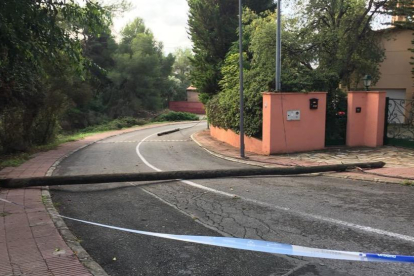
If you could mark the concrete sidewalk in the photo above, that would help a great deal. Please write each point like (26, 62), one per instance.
(399, 161)
(30, 240)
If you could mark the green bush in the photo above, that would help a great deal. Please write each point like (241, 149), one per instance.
(119, 123)
(173, 116)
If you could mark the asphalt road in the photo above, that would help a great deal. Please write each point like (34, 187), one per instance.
(314, 211)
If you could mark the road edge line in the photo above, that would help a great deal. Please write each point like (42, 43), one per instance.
(252, 163)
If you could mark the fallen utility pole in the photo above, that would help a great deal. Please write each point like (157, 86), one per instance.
(171, 175)
(168, 132)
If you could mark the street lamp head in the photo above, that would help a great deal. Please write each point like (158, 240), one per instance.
(367, 81)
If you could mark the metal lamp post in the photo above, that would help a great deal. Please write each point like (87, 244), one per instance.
(241, 80)
(367, 82)
(278, 85)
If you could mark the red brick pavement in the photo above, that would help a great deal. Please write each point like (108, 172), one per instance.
(29, 241)
(30, 244)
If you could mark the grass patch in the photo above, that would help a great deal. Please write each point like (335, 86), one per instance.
(14, 160)
(116, 124)
(3, 214)
(408, 183)
(44, 199)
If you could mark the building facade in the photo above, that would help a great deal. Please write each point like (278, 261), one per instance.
(396, 71)
(192, 94)
(192, 104)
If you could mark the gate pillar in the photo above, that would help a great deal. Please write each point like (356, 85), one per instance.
(366, 119)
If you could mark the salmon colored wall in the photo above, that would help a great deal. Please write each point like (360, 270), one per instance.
(307, 134)
(366, 128)
(283, 136)
(355, 129)
(232, 138)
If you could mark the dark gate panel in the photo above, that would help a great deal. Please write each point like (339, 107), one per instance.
(399, 123)
(336, 120)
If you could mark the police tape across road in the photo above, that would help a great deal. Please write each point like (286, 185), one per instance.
(258, 245)
(266, 246)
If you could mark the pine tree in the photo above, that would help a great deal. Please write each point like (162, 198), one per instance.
(140, 73)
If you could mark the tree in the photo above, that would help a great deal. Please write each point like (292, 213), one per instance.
(212, 26)
(47, 28)
(181, 70)
(343, 39)
(37, 37)
(99, 49)
(88, 97)
(403, 12)
(141, 71)
(173, 91)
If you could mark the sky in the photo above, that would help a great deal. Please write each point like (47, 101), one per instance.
(167, 19)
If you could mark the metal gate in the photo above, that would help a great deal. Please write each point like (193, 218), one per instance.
(336, 120)
(399, 123)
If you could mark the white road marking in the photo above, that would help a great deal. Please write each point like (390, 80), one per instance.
(367, 229)
(147, 141)
(5, 200)
(142, 157)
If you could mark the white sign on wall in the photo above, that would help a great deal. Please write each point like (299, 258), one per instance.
(293, 115)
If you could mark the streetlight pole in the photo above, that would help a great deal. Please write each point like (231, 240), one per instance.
(241, 80)
(278, 48)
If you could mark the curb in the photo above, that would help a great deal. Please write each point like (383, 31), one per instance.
(83, 256)
(253, 163)
(389, 180)
(85, 259)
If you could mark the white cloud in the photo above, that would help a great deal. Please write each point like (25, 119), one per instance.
(167, 19)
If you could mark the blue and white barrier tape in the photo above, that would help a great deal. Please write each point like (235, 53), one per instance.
(266, 247)
(261, 246)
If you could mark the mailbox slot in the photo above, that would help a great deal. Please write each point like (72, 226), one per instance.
(313, 103)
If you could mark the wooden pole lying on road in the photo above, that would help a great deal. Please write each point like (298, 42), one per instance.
(171, 175)
(168, 132)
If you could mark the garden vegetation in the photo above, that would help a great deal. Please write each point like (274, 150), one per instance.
(61, 70)
(327, 45)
